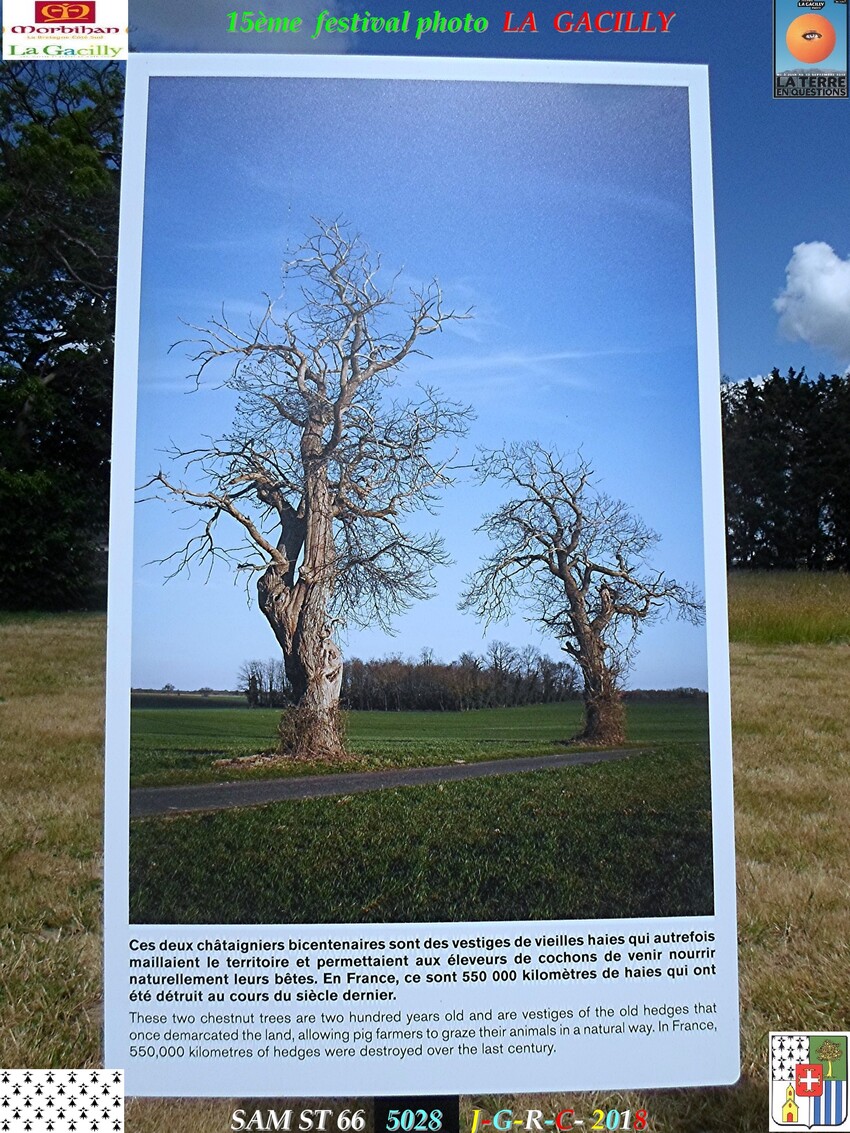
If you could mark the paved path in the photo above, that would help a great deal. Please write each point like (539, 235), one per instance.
(147, 801)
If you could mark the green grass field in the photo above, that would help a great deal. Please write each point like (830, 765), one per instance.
(176, 745)
(543, 846)
(612, 840)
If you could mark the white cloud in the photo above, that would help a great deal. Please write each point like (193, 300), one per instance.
(815, 304)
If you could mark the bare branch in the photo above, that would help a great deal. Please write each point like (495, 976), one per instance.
(577, 561)
(321, 466)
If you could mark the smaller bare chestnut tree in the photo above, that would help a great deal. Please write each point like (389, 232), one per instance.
(321, 467)
(577, 561)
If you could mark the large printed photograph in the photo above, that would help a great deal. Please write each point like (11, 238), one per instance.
(420, 566)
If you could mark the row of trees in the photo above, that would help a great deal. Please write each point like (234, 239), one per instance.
(787, 466)
(60, 144)
(264, 684)
(502, 678)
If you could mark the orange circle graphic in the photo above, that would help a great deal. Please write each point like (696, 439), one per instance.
(810, 38)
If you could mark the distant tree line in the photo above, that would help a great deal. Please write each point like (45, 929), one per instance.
(503, 677)
(787, 468)
(654, 695)
(264, 684)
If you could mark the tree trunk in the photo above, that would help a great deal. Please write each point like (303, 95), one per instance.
(604, 715)
(312, 729)
(604, 719)
(297, 611)
(313, 663)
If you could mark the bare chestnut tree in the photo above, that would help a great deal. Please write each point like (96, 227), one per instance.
(577, 561)
(321, 467)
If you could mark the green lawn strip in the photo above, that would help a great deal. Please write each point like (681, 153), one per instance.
(172, 746)
(630, 839)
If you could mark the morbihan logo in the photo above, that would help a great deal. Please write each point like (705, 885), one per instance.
(45, 29)
(51, 12)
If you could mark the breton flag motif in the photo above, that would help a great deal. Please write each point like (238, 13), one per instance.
(808, 1081)
(61, 1101)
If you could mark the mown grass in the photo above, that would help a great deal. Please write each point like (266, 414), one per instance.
(624, 839)
(789, 608)
(791, 730)
(51, 804)
(176, 745)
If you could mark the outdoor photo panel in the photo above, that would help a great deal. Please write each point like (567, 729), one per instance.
(418, 737)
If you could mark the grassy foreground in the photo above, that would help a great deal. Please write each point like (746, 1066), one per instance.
(789, 608)
(792, 751)
(51, 814)
(613, 840)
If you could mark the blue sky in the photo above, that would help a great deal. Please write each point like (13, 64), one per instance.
(780, 175)
(561, 214)
(781, 167)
